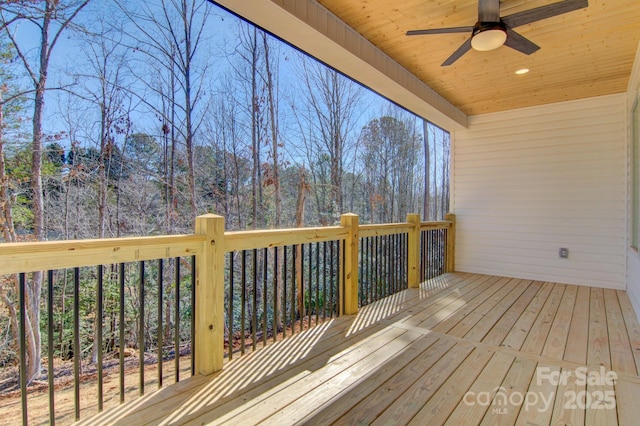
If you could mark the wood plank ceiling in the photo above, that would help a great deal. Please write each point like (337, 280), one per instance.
(585, 53)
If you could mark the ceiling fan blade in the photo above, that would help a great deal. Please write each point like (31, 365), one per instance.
(520, 43)
(543, 12)
(441, 31)
(466, 46)
(489, 10)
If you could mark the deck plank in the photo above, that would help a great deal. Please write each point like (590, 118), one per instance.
(491, 313)
(621, 354)
(505, 409)
(268, 401)
(506, 323)
(599, 405)
(472, 408)
(578, 338)
(445, 322)
(409, 364)
(414, 356)
(598, 351)
(537, 337)
(359, 372)
(520, 330)
(632, 325)
(439, 407)
(557, 339)
(447, 306)
(402, 410)
(627, 406)
(247, 375)
(539, 408)
(565, 408)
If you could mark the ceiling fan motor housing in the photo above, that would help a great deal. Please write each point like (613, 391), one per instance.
(488, 35)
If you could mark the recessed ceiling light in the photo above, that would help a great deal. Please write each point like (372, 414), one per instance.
(522, 71)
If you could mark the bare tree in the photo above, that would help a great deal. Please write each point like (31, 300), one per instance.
(248, 69)
(171, 37)
(271, 77)
(389, 160)
(105, 88)
(330, 114)
(51, 19)
(427, 172)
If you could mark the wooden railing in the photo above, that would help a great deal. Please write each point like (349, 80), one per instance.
(355, 251)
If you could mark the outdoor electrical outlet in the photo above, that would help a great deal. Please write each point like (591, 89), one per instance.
(564, 253)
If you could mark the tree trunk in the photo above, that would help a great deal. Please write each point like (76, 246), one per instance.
(427, 167)
(302, 192)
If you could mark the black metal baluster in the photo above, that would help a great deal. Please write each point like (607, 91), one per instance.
(141, 346)
(254, 314)
(445, 235)
(264, 294)
(365, 271)
(310, 277)
(284, 292)
(421, 255)
(426, 255)
(294, 287)
(398, 261)
(160, 319)
(243, 297)
(193, 315)
(361, 281)
(388, 263)
(384, 241)
(265, 269)
(383, 266)
(332, 278)
(339, 290)
(77, 353)
(317, 301)
(393, 271)
(276, 299)
(431, 253)
(394, 263)
(324, 281)
(176, 330)
(50, 353)
(23, 348)
(370, 266)
(387, 256)
(378, 265)
(405, 256)
(99, 315)
(301, 290)
(121, 279)
(231, 284)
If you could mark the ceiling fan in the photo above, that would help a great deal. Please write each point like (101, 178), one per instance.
(492, 31)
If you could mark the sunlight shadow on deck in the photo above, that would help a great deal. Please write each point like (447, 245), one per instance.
(386, 308)
(273, 367)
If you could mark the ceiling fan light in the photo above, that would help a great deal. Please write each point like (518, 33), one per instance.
(488, 39)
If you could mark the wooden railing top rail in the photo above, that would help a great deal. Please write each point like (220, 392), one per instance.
(376, 230)
(440, 224)
(247, 240)
(46, 255)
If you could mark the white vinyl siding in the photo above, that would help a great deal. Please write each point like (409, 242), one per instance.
(528, 182)
(633, 256)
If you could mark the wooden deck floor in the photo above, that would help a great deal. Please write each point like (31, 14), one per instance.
(462, 350)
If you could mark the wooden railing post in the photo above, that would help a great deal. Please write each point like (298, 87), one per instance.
(209, 303)
(451, 243)
(349, 266)
(413, 254)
